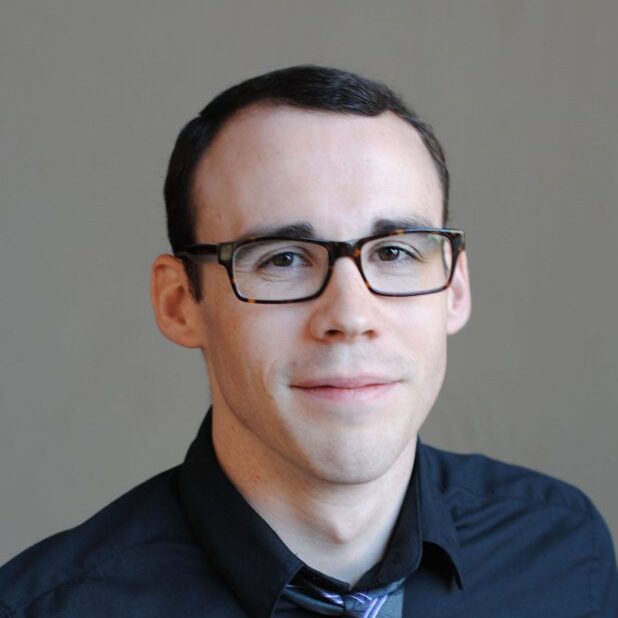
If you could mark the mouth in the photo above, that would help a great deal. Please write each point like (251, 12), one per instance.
(347, 389)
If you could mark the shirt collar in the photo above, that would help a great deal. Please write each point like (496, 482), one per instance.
(256, 563)
(242, 547)
(425, 519)
(436, 517)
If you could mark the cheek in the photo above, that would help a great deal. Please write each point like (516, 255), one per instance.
(258, 338)
(425, 336)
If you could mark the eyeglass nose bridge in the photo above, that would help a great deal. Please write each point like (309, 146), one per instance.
(339, 249)
(342, 249)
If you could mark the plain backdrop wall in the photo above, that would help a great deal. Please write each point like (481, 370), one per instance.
(524, 94)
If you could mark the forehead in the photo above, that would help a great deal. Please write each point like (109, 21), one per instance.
(275, 166)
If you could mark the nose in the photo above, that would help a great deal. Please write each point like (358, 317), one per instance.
(346, 309)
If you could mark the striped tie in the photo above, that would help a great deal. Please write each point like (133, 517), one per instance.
(307, 594)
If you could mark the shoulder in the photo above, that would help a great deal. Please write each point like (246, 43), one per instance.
(486, 479)
(526, 528)
(138, 539)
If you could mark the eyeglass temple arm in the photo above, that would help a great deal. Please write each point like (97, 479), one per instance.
(199, 253)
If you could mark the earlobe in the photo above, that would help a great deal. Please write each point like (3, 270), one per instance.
(174, 306)
(459, 297)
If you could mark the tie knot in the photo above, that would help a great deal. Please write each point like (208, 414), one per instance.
(366, 604)
(359, 604)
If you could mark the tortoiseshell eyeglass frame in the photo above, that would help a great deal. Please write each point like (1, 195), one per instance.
(223, 253)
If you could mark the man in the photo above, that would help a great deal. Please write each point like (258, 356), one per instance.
(313, 269)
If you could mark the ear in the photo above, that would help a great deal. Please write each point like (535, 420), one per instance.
(459, 298)
(174, 307)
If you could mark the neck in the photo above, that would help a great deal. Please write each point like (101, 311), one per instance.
(341, 530)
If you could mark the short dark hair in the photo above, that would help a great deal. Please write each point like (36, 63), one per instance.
(306, 87)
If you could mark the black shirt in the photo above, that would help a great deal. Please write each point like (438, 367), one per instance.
(475, 537)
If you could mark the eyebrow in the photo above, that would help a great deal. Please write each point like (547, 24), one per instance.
(385, 226)
(304, 229)
(299, 229)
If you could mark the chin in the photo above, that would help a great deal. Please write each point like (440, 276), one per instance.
(341, 445)
(358, 475)
(346, 466)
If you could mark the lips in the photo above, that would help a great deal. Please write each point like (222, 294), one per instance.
(347, 389)
(345, 382)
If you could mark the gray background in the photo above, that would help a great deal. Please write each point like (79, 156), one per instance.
(523, 93)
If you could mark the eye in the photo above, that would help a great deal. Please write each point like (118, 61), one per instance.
(390, 253)
(284, 259)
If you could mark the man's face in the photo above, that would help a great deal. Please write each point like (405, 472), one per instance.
(339, 385)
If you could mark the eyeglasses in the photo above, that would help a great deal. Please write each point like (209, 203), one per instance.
(404, 262)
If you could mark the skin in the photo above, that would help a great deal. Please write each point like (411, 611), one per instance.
(317, 404)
